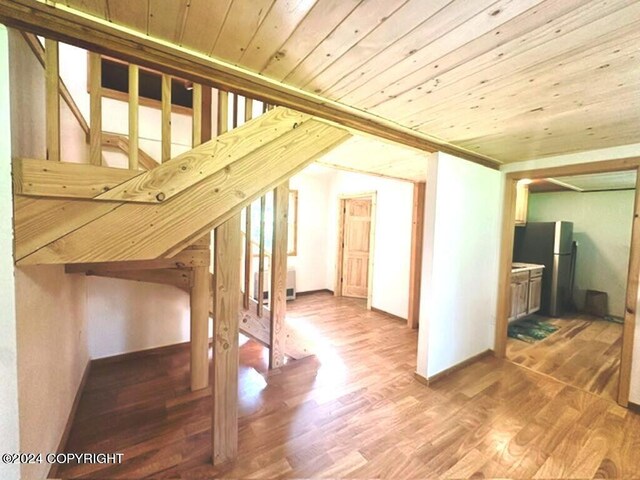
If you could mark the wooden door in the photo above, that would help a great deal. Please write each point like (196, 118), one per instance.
(356, 234)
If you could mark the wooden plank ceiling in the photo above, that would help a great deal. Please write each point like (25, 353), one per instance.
(510, 79)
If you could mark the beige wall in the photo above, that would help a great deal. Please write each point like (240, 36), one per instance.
(50, 305)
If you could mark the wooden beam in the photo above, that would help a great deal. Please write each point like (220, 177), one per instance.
(115, 140)
(38, 50)
(278, 293)
(223, 112)
(188, 258)
(199, 296)
(133, 116)
(207, 128)
(68, 25)
(228, 252)
(71, 180)
(171, 178)
(166, 118)
(263, 207)
(248, 244)
(52, 95)
(631, 302)
(417, 235)
(95, 116)
(176, 278)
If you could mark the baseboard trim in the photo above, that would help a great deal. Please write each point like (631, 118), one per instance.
(634, 407)
(53, 471)
(459, 366)
(421, 379)
(397, 317)
(311, 292)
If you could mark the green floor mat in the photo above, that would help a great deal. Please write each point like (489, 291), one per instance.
(530, 330)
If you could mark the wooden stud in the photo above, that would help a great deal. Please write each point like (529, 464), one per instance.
(248, 109)
(278, 292)
(166, 118)
(248, 244)
(228, 252)
(260, 299)
(177, 278)
(223, 112)
(95, 116)
(196, 131)
(52, 76)
(415, 275)
(120, 142)
(206, 102)
(133, 116)
(630, 313)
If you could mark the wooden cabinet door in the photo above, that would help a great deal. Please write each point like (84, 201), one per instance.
(522, 293)
(535, 291)
(355, 249)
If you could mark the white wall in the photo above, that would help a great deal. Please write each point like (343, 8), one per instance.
(460, 263)
(127, 316)
(623, 151)
(602, 228)
(9, 428)
(392, 249)
(314, 186)
(50, 306)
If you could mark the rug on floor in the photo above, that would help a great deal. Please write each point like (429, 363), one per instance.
(530, 329)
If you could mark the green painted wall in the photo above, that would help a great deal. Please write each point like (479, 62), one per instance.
(602, 228)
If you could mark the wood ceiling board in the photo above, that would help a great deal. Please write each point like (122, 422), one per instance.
(166, 19)
(445, 36)
(203, 22)
(375, 157)
(362, 20)
(453, 87)
(93, 7)
(132, 14)
(404, 20)
(313, 29)
(242, 22)
(281, 21)
(569, 79)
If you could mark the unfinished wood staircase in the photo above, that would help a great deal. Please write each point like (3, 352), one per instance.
(155, 225)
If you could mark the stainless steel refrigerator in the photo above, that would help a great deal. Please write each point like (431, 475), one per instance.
(548, 244)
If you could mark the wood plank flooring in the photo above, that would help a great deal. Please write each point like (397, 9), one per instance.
(584, 352)
(355, 411)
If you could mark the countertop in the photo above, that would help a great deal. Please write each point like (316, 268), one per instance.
(518, 267)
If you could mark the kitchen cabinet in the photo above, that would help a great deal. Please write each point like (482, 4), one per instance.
(522, 202)
(526, 289)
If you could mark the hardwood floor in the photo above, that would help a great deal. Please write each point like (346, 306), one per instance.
(584, 352)
(353, 411)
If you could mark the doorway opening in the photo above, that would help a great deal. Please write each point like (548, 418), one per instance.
(356, 240)
(569, 274)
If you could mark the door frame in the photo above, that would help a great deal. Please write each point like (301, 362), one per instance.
(337, 291)
(633, 272)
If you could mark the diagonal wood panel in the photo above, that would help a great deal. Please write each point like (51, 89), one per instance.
(136, 231)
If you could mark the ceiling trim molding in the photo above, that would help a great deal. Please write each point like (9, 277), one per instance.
(74, 27)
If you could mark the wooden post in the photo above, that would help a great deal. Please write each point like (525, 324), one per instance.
(52, 73)
(95, 114)
(228, 252)
(166, 118)
(278, 292)
(199, 293)
(260, 299)
(133, 116)
(223, 111)
(415, 274)
(248, 251)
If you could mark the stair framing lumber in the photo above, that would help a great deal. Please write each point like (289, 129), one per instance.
(224, 425)
(278, 291)
(183, 260)
(71, 26)
(52, 99)
(177, 278)
(171, 178)
(95, 113)
(122, 143)
(43, 178)
(122, 232)
(134, 98)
